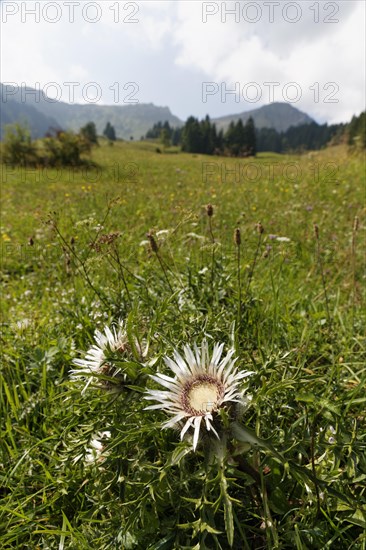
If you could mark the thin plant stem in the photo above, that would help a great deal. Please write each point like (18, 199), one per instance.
(109, 208)
(211, 229)
(155, 249)
(81, 264)
(335, 366)
(353, 253)
(239, 288)
(241, 531)
(121, 271)
(237, 240)
(255, 259)
(320, 263)
(164, 271)
(210, 213)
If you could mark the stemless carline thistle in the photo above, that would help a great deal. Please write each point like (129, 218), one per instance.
(202, 385)
(96, 358)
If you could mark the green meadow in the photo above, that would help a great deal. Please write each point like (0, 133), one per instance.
(288, 298)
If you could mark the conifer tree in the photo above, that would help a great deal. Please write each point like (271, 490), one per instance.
(109, 132)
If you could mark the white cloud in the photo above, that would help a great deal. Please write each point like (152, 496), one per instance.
(170, 38)
(305, 52)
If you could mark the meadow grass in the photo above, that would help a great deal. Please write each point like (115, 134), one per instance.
(288, 299)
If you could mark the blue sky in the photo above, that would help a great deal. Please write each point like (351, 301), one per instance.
(311, 54)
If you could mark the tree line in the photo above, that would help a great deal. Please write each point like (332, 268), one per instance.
(202, 137)
(305, 137)
(357, 131)
(245, 140)
(65, 148)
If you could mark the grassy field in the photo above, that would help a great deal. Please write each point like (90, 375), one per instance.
(288, 299)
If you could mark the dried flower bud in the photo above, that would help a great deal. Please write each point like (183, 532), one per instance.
(153, 244)
(209, 210)
(356, 224)
(260, 228)
(109, 238)
(316, 230)
(106, 239)
(237, 236)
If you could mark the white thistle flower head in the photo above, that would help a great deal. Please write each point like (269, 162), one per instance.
(95, 361)
(96, 453)
(201, 386)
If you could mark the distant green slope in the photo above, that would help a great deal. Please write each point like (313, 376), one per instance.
(128, 120)
(26, 115)
(279, 116)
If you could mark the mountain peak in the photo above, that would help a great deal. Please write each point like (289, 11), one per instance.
(134, 120)
(277, 115)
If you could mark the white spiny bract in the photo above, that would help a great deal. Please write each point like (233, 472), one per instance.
(95, 361)
(201, 386)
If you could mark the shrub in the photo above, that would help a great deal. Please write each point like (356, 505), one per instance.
(19, 149)
(66, 148)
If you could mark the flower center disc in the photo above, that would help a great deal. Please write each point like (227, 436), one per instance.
(203, 396)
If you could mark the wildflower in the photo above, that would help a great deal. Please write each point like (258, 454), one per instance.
(260, 228)
(237, 236)
(153, 244)
(95, 363)
(96, 452)
(279, 239)
(22, 325)
(105, 239)
(200, 388)
(209, 210)
(162, 232)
